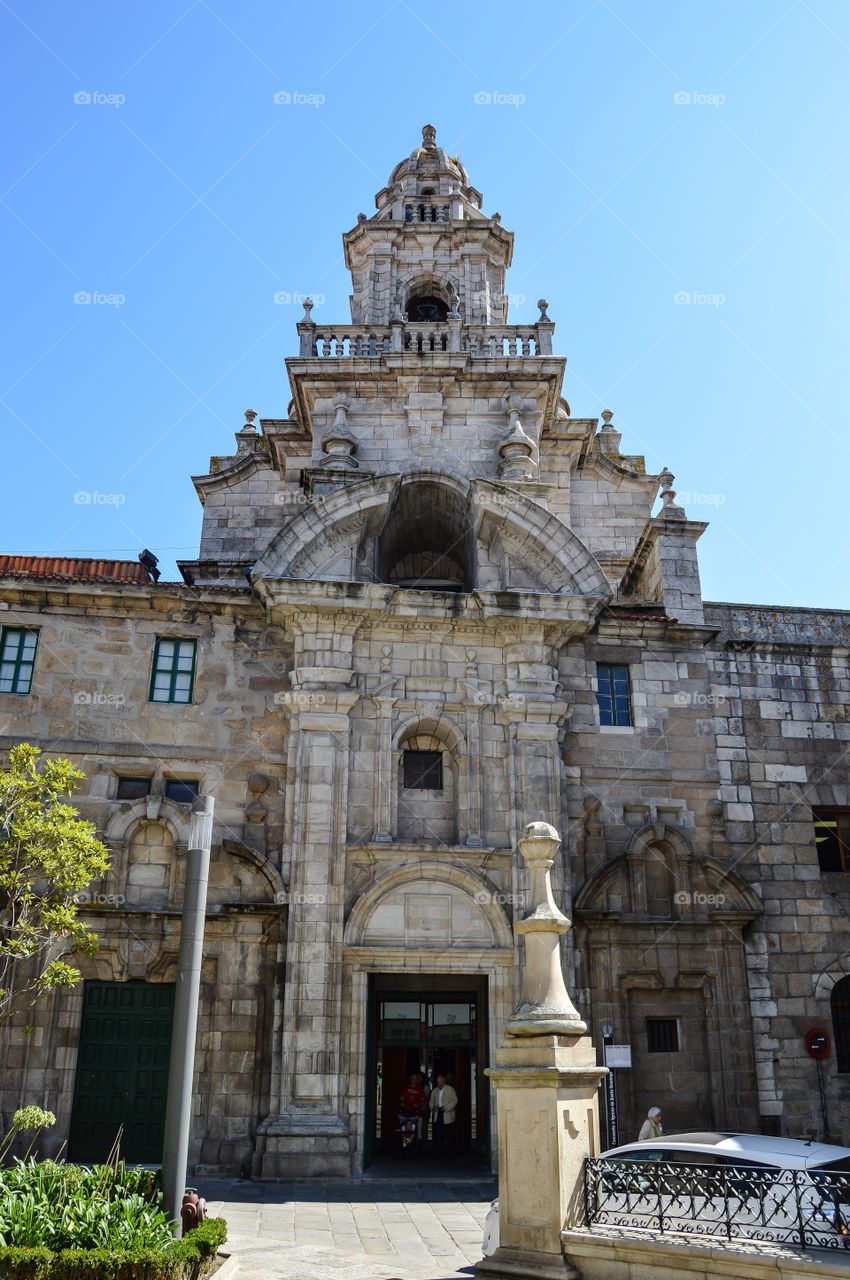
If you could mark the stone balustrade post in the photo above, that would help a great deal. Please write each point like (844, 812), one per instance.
(546, 1081)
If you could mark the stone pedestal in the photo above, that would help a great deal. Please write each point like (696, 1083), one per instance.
(547, 1083)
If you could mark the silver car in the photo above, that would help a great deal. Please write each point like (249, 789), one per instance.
(720, 1184)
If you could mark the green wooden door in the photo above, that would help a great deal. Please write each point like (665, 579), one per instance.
(122, 1070)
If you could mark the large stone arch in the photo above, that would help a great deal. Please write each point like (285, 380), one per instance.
(336, 540)
(433, 880)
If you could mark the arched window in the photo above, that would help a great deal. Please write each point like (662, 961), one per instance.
(427, 791)
(426, 309)
(840, 1003)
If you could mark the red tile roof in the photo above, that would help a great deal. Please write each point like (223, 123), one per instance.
(72, 569)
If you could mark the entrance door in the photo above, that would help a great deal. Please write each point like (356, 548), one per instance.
(430, 1026)
(122, 1071)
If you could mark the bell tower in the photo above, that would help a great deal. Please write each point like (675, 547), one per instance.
(429, 253)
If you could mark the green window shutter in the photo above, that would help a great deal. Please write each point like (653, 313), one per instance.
(17, 659)
(173, 670)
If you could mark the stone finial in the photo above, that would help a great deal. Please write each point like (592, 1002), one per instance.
(361, 217)
(339, 443)
(544, 1008)
(429, 137)
(544, 314)
(609, 436)
(246, 437)
(516, 449)
(668, 495)
(308, 307)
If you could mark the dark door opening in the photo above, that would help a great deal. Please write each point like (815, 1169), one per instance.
(429, 1025)
(122, 1071)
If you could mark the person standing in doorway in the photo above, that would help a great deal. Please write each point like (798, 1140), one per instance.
(443, 1114)
(652, 1126)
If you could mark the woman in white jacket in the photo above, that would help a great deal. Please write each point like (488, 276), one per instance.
(652, 1126)
(443, 1113)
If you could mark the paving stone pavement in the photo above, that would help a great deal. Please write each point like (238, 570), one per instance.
(367, 1229)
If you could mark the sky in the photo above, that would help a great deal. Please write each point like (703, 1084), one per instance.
(676, 176)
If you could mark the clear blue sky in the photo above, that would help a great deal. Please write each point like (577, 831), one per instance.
(196, 198)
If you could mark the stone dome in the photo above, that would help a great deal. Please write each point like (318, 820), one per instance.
(429, 160)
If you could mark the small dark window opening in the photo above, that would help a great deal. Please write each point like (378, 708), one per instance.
(181, 790)
(423, 770)
(613, 694)
(133, 788)
(662, 1035)
(840, 1005)
(427, 310)
(832, 838)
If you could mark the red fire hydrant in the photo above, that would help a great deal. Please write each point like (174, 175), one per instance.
(193, 1211)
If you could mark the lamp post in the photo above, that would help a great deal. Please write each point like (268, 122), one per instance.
(178, 1111)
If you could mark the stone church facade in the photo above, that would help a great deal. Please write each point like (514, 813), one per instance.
(431, 605)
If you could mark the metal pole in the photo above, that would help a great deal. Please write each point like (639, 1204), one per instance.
(823, 1109)
(178, 1111)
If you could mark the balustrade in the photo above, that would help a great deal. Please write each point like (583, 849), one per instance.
(345, 342)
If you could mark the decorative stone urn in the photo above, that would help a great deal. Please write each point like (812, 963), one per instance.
(547, 1085)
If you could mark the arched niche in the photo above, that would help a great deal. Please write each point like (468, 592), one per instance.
(434, 811)
(429, 905)
(426, 542)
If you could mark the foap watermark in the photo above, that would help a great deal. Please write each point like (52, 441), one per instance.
(495, 98)
(684, 899)
(97, 298)
(98, 698)
(96, 98)
(298, 699)
(695, 499)
(295, 98)
(485, 897)
(86, 899)
(308, 899)
(300, 499)
(699, 699)
(696, 98)
(287, 298)
(696, 298)
(94, 498)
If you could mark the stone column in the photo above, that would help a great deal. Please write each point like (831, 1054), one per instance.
(546, 1082)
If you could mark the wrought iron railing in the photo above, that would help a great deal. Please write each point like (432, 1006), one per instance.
(807, 1209)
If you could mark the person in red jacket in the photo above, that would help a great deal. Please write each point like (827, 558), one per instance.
(413, 1104)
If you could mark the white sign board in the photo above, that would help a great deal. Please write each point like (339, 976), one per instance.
(618, 1055)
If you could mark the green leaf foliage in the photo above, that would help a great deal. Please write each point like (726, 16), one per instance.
(48, 856)
(68, 1222)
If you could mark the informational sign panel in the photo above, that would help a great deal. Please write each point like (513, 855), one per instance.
(618, 1056)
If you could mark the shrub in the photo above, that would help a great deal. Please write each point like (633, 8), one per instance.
(69, 1222)
(186, 1259)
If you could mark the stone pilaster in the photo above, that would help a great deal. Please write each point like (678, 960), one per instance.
(308, 1133)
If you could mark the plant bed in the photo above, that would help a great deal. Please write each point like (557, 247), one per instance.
(67, 1222)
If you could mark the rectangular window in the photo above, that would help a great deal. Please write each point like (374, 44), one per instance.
(614, 695)
(832, 838)
(423, 770)
(17, 659)
(662, 1035)
(173, 672)
(181, 790)
(133, 788)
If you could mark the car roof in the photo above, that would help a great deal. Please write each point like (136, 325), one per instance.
(789, 1153)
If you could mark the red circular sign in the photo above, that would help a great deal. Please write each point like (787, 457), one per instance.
(818, 1044)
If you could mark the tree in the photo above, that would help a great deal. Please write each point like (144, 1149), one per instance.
(48, 856)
